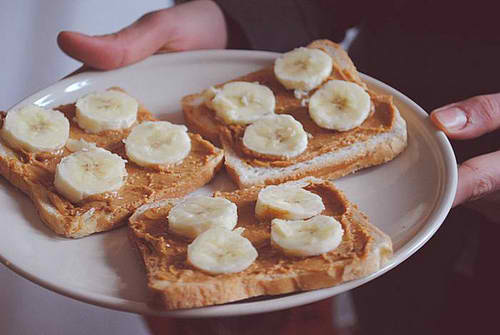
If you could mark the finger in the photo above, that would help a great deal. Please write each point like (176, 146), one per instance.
(478, 177)
(469, 118)
(127, 46)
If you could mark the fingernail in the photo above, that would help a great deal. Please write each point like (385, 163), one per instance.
(451, 118)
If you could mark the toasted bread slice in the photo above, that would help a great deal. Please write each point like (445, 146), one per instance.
(363, 250)
(33, 173)
(329, 153)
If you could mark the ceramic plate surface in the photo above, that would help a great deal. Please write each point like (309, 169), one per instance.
(408, 198)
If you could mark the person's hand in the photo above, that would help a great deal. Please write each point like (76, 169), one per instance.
(478, 177)
(194, 25)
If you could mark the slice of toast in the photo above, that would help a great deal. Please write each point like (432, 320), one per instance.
(330, 153)
(33, 173)
(363, 250)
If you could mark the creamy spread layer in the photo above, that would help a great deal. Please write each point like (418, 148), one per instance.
(320, 140)
(142, 184)
(152, 226)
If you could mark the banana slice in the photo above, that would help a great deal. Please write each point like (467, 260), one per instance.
(303, 68)
(107, 110)
(219, 250)
(242, 102)
(316, 236)
(154, 143)
(287, 202)
(197, 214)
(35, 129)
(277, 136)
(339, 105)
(86, 173)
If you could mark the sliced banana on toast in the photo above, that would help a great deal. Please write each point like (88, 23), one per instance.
(240, 102)
(87, 173)
(287, 202)
(303, 68)
(35, 129)
(157, 143)
(220, 250)
(195, 215)
(106, 110)
(339, 105)
(278, 136)
(315, 236)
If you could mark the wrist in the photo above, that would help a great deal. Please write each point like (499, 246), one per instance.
(235, 35)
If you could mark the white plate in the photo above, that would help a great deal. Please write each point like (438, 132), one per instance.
(407, 198)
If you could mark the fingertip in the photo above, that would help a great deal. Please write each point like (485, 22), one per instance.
(436, 121)
(68, 39)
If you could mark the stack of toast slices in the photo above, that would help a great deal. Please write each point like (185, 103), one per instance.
(177, 271)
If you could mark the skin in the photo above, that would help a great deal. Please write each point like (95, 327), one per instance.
(201, 25)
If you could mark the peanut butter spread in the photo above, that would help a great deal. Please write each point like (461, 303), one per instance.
(142, 184)
(171, 264)
(320, 140)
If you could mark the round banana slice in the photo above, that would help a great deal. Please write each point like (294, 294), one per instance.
(277, 136)
(35, 129)
(339, 105)
(287, 202)
(242, 102)
(219, 250)
(316, 236)
(157, 143)
(86, 173)
(107, 110)
(197, 214)
(303, 68)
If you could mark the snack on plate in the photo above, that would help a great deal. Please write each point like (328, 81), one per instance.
(296, 236)
(308, 115)
(87, 166)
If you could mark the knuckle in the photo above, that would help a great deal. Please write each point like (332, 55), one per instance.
(483, 182)
(483, 109)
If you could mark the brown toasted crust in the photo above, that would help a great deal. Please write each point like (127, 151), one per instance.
(367, 153)
(94, 220)
(364, 250)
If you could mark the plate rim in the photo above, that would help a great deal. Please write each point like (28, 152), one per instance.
(437, 214)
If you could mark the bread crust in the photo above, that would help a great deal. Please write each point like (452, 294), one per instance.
(268, 275)
(96, 220)
(378, 149)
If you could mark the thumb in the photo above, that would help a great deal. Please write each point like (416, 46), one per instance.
(469, 118)
(477, 177)
(127, 46)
